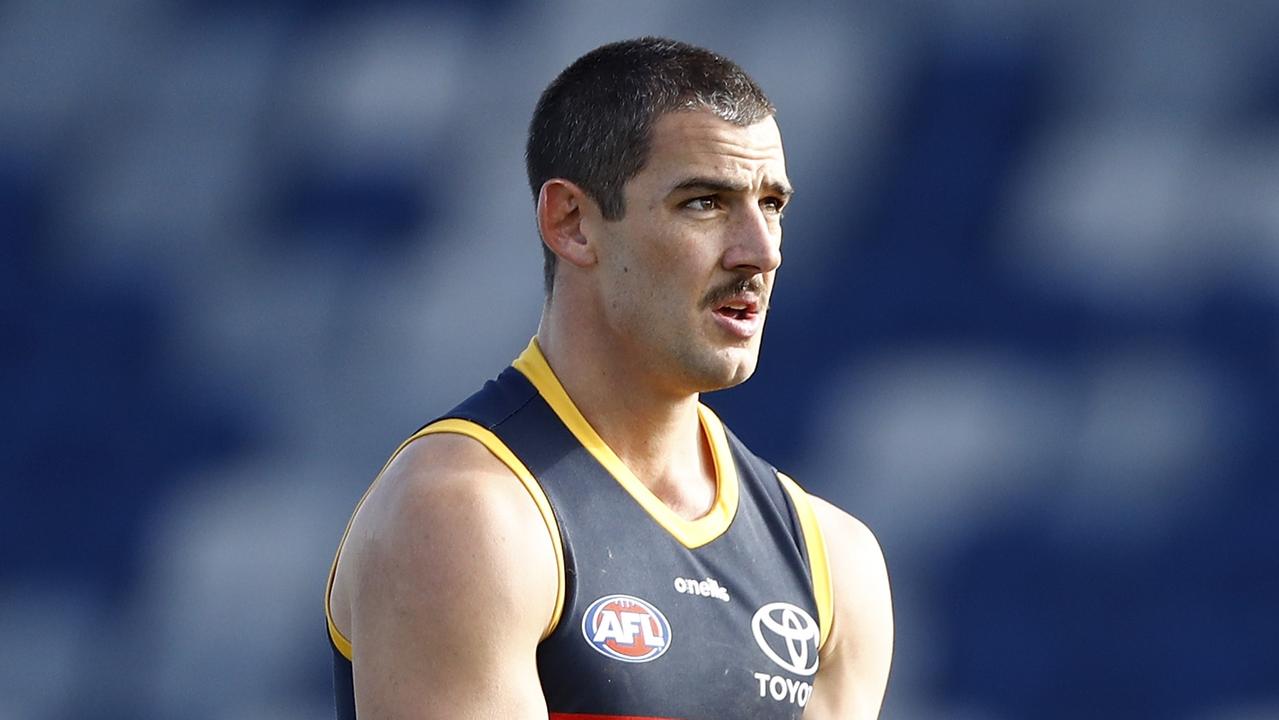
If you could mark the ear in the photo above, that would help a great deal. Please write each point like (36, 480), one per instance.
(560, 208)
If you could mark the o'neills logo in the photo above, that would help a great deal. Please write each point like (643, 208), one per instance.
(704, 588)
(626, 628)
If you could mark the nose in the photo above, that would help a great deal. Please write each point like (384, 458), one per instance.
(755, 243)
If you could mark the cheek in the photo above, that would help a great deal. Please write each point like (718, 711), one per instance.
(657, 269)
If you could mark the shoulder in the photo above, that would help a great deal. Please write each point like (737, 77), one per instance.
(447, 522)
(453, 481)
(859, 575)
(857, 655)
(852, 547)
(447, 579)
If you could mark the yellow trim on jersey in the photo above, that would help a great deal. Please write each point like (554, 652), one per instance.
(823, 592)
(340, 641)
(503, 453)
(691, 533)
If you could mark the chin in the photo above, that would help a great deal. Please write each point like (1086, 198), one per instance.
(730, 371)
(743, 374)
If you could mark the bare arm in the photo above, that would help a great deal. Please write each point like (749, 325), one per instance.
(853, 674)
(446, 583)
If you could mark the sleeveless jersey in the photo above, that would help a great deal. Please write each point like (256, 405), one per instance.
(657, 617)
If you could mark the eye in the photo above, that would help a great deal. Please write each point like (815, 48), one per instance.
(705, 203)
(772, 205)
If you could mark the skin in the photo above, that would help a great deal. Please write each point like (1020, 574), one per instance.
(448, 540)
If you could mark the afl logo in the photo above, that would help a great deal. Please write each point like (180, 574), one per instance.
(626, 628)
(788, 636)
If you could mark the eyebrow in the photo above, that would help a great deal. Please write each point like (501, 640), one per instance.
(719, 185)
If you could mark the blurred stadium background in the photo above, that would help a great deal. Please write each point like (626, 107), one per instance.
(1028, 327)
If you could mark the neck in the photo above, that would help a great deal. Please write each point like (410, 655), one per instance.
(656, 432)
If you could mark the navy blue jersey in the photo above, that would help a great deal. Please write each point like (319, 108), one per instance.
(656, 616)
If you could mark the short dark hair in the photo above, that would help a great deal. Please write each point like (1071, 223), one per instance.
(593, 123)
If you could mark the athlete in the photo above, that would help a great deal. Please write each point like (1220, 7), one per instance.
(582, 538)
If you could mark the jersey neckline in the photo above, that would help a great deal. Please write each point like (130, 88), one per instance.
(690, 533)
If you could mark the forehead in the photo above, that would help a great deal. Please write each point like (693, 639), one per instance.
(696, 142)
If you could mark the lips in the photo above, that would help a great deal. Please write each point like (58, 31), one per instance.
(740, 306)
(741, 315)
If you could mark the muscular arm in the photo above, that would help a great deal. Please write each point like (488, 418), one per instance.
(446, 583)
(854, 666)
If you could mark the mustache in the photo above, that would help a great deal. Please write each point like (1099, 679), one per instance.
(753, 284)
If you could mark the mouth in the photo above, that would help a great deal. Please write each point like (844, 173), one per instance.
(742, 307)
(741, 316)
(738, 307)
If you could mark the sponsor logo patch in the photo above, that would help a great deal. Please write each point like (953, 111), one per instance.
(626, 628)
(704, 588)
(788, 636)
(784, 689)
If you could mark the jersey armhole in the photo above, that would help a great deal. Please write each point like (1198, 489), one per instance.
(823, 592)
(494, 445)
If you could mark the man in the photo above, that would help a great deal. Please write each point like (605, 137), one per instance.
(582, 538)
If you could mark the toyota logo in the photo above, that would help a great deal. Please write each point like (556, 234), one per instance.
(782, 626)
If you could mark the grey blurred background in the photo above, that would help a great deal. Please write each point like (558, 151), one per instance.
(1026, 329)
